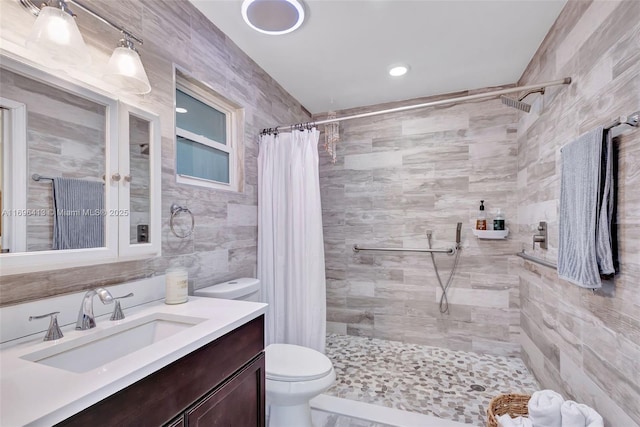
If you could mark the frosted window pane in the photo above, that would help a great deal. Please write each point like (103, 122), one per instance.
(200, 161)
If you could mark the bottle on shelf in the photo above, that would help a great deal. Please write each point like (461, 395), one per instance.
(498, 220)
(481, 222)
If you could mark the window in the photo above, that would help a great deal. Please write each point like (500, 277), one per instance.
(208, 137)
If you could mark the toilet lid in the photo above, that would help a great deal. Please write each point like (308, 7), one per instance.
(230, 290)
(288, 362)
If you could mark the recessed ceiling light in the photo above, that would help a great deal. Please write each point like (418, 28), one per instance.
(273, 17)
(398, 71)
(181, 110)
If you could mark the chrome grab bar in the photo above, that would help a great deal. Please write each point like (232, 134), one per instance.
(450, 251)
(537, 260)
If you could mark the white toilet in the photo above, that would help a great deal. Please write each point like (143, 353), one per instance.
(294, 374)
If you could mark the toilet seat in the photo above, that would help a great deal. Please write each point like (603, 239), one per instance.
(293, 363)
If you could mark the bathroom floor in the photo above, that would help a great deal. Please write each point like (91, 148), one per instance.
(454, 385)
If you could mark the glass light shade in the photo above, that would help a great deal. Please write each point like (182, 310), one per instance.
(56, 40)
(125, 71)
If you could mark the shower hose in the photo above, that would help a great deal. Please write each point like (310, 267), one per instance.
(444, 302)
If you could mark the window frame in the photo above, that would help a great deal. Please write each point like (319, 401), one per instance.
(234, 119)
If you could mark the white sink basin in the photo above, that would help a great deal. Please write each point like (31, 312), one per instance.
(103, 346)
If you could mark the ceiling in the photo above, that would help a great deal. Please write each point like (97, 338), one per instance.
(339, 58)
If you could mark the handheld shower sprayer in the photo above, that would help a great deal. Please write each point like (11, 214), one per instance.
(444, 302)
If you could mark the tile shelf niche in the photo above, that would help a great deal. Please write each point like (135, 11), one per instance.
(491, 234)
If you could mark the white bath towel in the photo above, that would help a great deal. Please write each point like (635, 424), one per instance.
(544, 409)
(579, 415)
(506, 421)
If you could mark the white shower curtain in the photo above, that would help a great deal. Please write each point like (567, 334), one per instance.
(290, 242)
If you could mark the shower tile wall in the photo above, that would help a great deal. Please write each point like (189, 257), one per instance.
(398, 176)
(583, 344)
(224, 243)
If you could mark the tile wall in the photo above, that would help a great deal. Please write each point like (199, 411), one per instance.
(583, 344)
(398, 176)
(223, 245)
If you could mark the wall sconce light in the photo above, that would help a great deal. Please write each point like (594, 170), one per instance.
(55, 37)
(125, 69)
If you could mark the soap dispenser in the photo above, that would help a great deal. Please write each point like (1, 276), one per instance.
(481, 222)
(498, 220)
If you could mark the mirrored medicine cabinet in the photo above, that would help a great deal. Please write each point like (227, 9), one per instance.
(79, 174)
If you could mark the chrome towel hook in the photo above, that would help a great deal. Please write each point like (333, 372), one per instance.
(175, 211)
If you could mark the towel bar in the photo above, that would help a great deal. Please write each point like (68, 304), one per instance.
(632, 119)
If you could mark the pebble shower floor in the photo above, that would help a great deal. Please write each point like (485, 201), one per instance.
(429, 380)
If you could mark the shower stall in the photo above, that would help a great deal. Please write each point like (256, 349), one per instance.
(402, 333)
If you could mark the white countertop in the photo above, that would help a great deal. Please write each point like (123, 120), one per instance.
(35, 394)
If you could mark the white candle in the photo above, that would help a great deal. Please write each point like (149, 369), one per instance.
(177, 280)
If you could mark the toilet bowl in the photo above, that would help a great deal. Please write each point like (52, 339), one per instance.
(294, 374)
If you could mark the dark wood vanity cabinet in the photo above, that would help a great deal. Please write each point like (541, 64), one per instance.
(237, 402)
(220, 384)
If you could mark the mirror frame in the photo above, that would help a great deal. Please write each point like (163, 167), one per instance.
(26, 262)
(16, 170)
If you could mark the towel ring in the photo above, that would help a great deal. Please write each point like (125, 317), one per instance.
(175, 211)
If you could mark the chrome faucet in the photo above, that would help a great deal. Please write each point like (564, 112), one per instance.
(85, 316)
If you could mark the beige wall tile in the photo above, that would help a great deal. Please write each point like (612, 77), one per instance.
(592, 336)
(427, 174)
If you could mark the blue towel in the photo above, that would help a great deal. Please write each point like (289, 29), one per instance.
(586, 207)
(78, 219)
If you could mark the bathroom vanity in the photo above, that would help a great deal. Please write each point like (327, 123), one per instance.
(221, 383)
(198, 363)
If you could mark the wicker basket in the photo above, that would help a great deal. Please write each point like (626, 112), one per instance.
(513, 404)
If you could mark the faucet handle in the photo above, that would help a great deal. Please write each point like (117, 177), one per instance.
(117, 310)
(54, 332)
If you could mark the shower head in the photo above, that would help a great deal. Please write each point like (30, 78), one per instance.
(517, 103)
(514, 103)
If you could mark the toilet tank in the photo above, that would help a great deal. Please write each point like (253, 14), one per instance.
(245, 288)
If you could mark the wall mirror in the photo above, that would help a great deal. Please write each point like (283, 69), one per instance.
(53, 180)
(139, 194)
(76, 174)
(139, 179)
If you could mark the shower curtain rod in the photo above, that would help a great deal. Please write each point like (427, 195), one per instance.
(565, 81)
